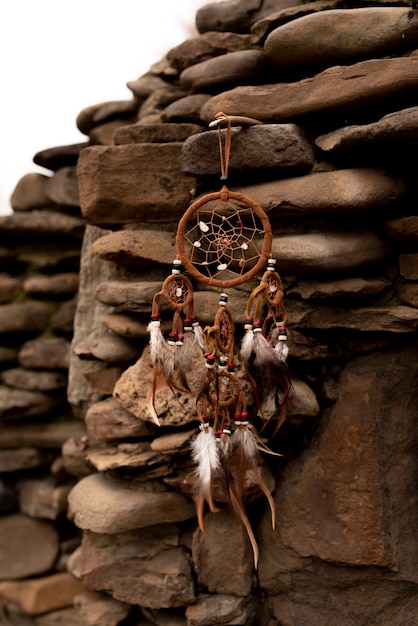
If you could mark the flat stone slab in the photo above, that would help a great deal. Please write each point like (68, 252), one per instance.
(17, 403)
(27, 546)
(332, 37)
(29, 193)
(107, 420)
(106, 505)
(259, 147)
(343, 88)
(24, 317)
(400, 127)
(132, 183)
(244, 67)
(156, 133)
(128, 247)
(325, 253)
(42, 224)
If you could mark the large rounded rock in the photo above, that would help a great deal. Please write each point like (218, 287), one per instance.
(341, 35)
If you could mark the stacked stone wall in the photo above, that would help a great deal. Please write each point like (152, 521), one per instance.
(332, 162)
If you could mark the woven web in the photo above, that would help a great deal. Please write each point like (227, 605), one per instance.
(177, 290)
(225, 239)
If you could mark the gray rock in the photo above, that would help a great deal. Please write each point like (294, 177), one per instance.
(28, 547)
(43, 497)
(206, 46)
(29, 193)
(108, 420)
(105, 505)
(45, 354)
(23, 317)
(62, 187)
(128, 247)
(394, 129)
(100, 609)
(236, 15)
(259, 147)
(41, 224)
(343, 88)
(42, 435)
(302, 400)
(16, 403)
(51, 287)
(326, 253)
(34, 380)
(244, 67)
(112, 348)
(331, 37)
(125, 325)
(345, 190)
(342, 288)
(59, 156)
(15, 460)
(96, 114)
(157, 133)
(233, 549)
(187, 108)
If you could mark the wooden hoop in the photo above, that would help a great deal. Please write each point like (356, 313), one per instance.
(224, 195)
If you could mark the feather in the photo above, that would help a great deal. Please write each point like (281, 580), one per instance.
(198, 333)
(247, 345)
(239, 510)
(206, 457)
(157, 342)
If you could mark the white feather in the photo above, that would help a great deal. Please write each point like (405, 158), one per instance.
(244, 437)
(157, 343)
(247, 345)
(200, 339)
(205, 455)
(282, 350)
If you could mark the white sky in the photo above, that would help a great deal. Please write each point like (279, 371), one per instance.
(58, 57)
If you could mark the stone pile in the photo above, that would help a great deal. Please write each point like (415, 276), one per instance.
(40, 257)
(335, 87)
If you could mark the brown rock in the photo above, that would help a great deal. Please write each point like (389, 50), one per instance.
(133, 388)
(132, 296)
(48, 354)
(156, 133)
(100, 609)
(103, 135)
(160, 581)
(218, 544)
(236, 15)
(326, 253)
(157, 101)
(59, 156)
(143, 86)
(350, 505)
(27, 546)
(29, 193)
(60, 285)
(127, 247)
(41, 224)
(15, 460)
(107, 177)
(342, 288)
(43, 497)
(124, 455)
(187, 108)
(41, 595)
(364, 84)
(403, 228)
(74, 455)
(220, 608)
(408, 294)
(206, 46)
(345, 190)
(244, 67)
(112, 348)
(125, 325)
(331, 37)
(16, 403)
(62, 187)
(68, 616)
(395, 128)
(102, 379)
(408, 266)
(108, 420)
(106, 505)
(173, 443)
(9, 288)
(43, 435)
(96, 114)
(302, 400)
(23, 317)
(259, 147)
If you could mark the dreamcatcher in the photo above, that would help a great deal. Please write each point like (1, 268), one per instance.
(224, 240)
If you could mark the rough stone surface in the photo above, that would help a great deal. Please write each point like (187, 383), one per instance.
(108, 420)
(29, 193)
(99, 609)
(129, 247)
(23, 317)
(342, 87)
(51, 353)
(259, 147)
(41, 595)
(106, 505)
(149, 183)
(157, 133)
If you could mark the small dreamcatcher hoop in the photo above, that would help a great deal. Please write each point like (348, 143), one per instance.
(224, 239)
